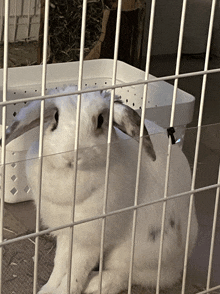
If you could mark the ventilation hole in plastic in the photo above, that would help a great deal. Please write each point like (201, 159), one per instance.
(106, 83)
(27, 189)
(35, 90)
(14, 103)
(14, 93)
(133, 104)
(14, 191)
(13, 165)
(126, 100)
(14, 178)
(86, 85)
(25, 102)
(14, 113)
(95, 83)
(25, 91)
(139, 107)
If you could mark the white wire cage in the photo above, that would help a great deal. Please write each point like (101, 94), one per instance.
(109, 74)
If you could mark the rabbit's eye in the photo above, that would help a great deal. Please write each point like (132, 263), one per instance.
(56, 116)
(100, 121)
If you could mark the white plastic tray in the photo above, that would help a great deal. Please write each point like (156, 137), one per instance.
(26, 82)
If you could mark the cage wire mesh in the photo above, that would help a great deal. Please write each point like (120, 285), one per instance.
(26, 261)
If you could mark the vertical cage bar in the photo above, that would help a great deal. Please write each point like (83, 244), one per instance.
(111, 114)
(76, 145)
(40, 153)
(4, 109)
(177, 70)
(178, 60)
(213, 233)
(147, 69)
(202, 99)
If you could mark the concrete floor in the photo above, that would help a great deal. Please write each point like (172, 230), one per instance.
(21, 217)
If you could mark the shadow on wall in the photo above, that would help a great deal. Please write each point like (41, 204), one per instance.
(167, 26)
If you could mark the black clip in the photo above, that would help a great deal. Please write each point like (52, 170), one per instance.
(170, 133)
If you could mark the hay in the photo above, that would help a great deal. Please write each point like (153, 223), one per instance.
(65, 28)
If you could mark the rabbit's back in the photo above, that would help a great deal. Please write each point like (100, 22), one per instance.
(149, 218)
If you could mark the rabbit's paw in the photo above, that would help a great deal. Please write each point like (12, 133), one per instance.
(62, 289)
(111, 283)
(46, 290)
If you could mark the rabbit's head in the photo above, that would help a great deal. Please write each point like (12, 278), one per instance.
(60, 122)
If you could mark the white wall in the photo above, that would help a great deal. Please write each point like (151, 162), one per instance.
(24, 20)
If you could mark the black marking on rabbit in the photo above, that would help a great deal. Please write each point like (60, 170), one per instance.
(154, 233)
(130, 124)
(172, 223)
(100, 121)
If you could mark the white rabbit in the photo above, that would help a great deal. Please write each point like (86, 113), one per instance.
(57, 194)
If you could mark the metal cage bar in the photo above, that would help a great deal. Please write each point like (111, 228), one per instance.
(177, 70)
(194, 173)
(147, 69)
(114, 74)
(3, 155)
(80, 77)
(215, 215)
(41, 132)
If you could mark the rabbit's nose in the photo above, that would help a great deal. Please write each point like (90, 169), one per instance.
(70, 157)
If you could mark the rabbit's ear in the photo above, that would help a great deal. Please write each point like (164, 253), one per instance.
(28, 118)
(128, 121)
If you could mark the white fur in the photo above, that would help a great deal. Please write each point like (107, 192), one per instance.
(57, 199)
